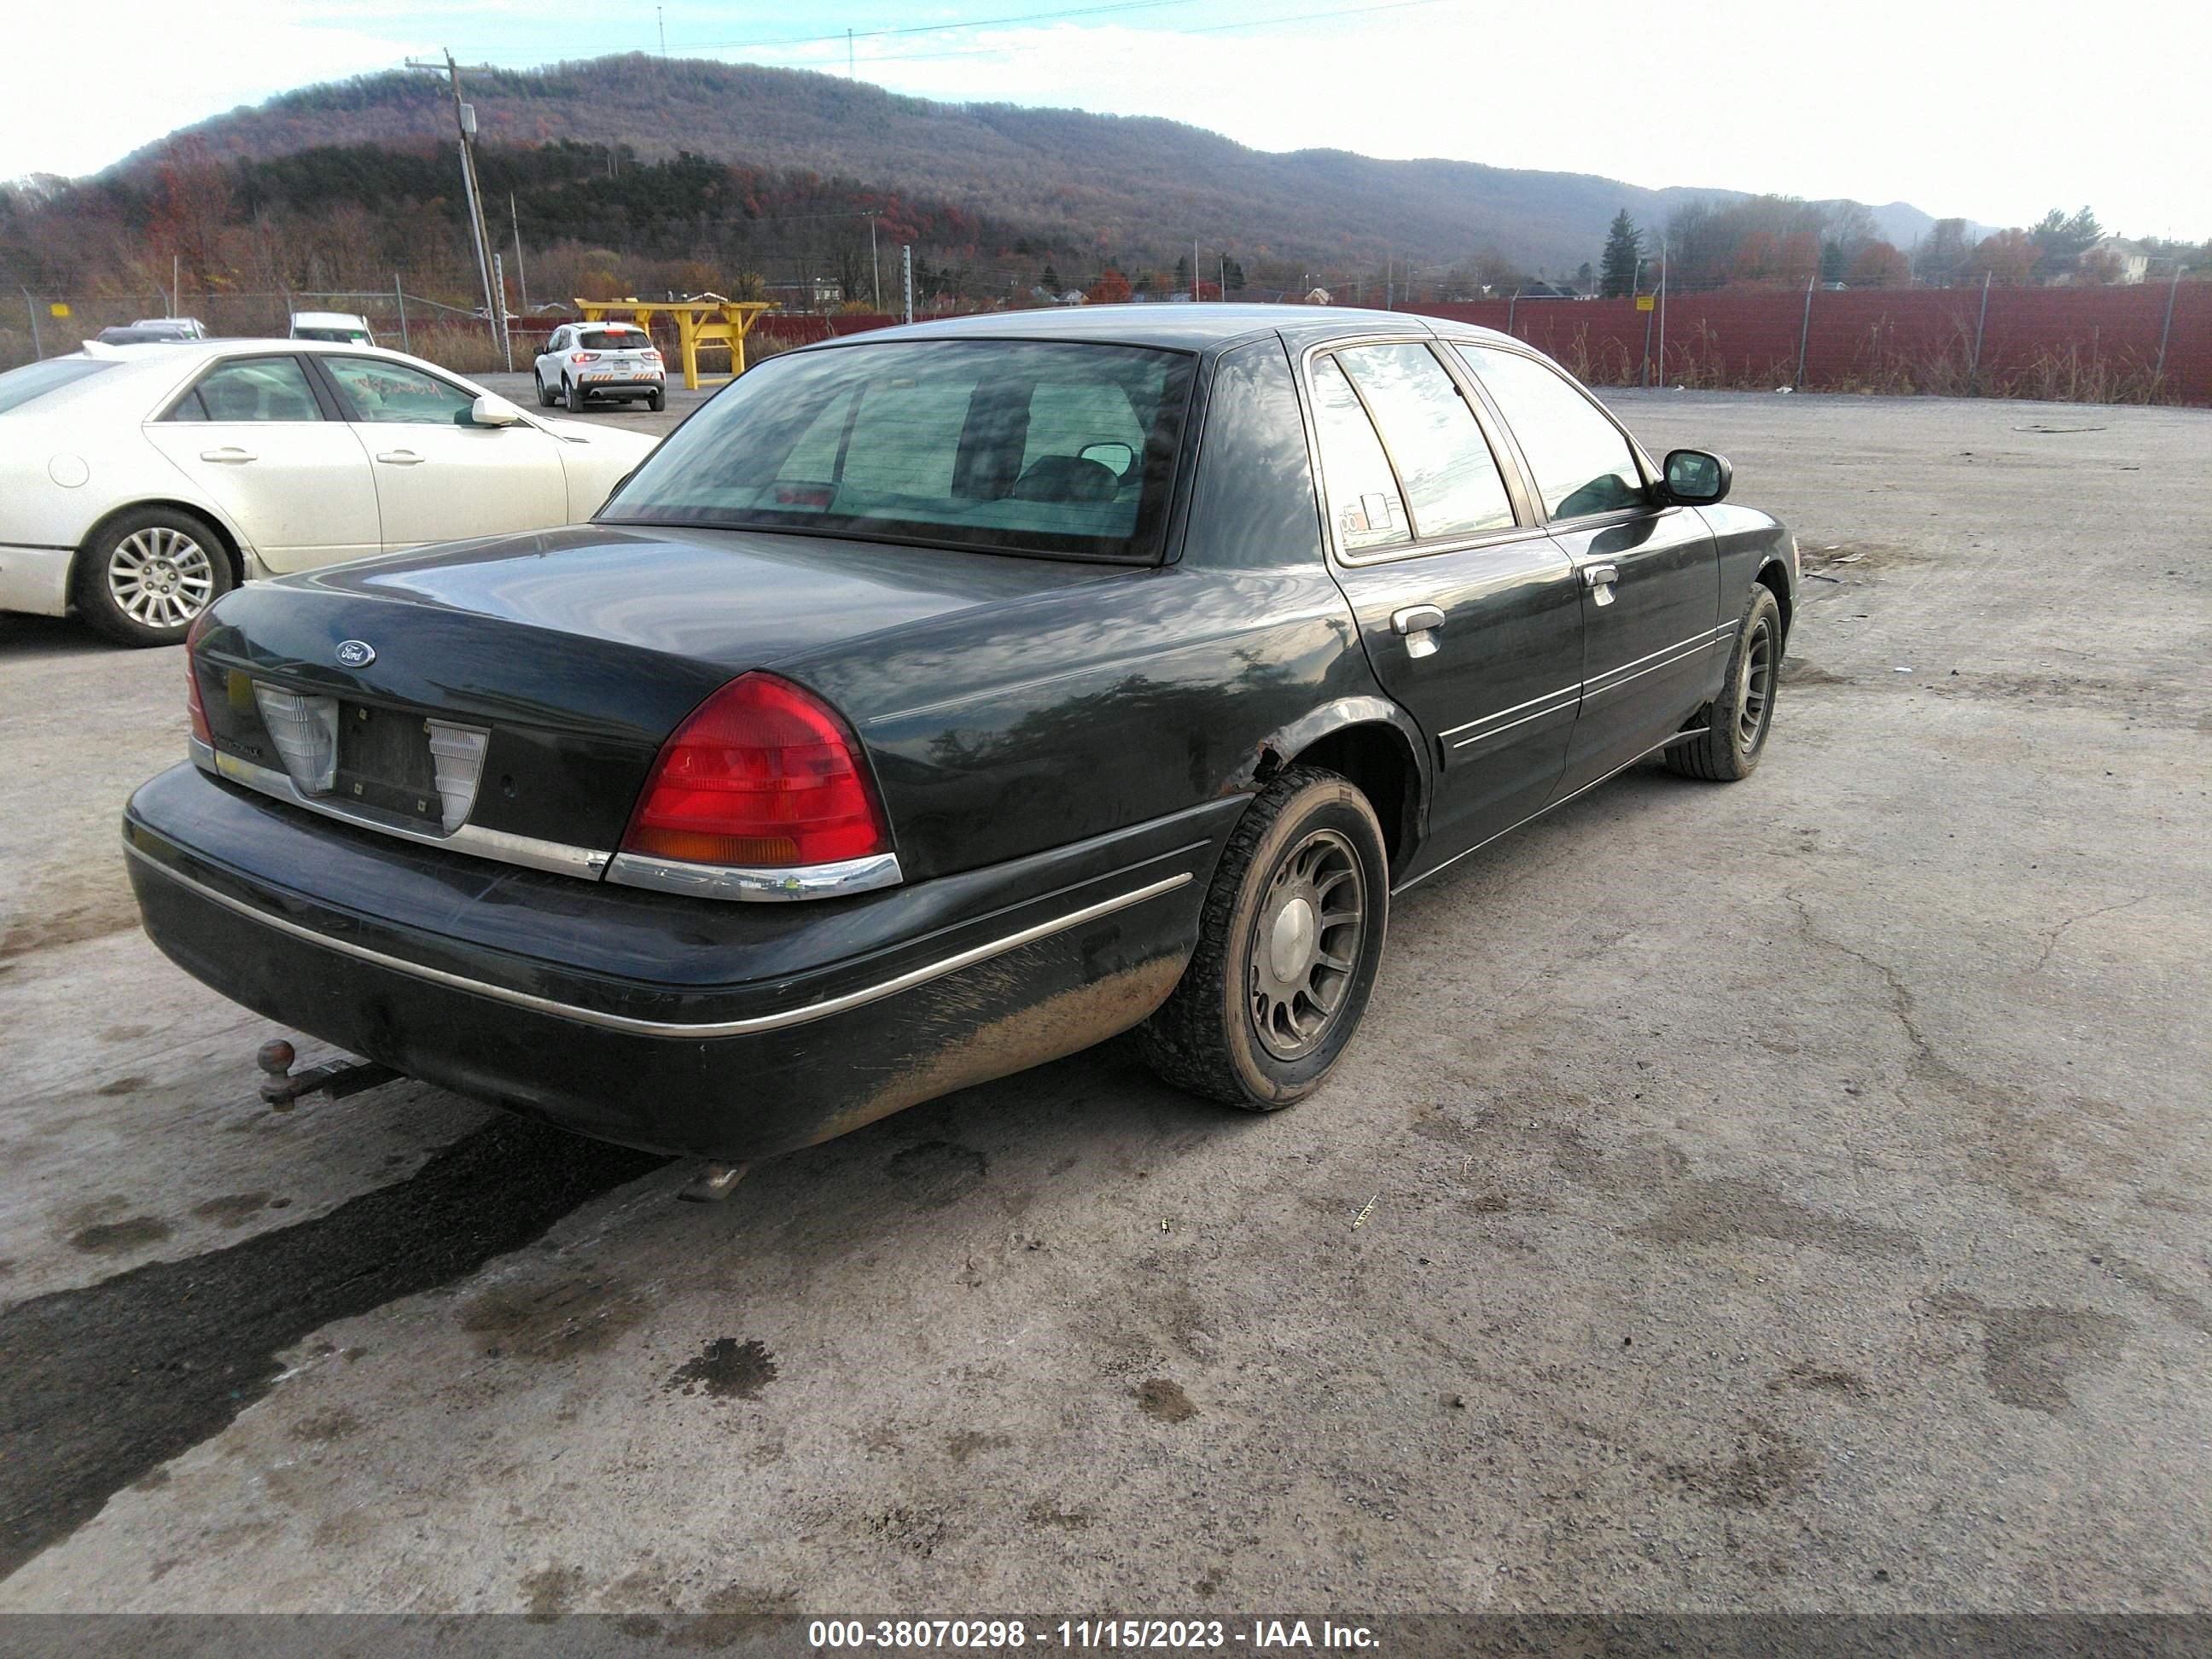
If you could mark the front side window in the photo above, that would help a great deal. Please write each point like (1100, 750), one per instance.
(251, 389)
(388, 391)
(1582, 464)
(1453, 487)
(1004, 446)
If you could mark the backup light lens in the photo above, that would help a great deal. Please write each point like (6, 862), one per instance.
(762, 775)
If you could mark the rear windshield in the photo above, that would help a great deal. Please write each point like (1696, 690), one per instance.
(1014, 447)
(613, 339)
(342, 335)
(19, 385)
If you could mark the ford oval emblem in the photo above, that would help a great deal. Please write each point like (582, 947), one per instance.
(355, 653)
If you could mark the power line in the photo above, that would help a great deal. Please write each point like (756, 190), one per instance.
(929, 29)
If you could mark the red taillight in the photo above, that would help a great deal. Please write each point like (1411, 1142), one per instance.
(193, 706)
(762, 775)
(583, 356)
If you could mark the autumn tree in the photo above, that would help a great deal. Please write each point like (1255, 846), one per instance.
(191, 211)
(2007, 258)
(1112, 288)
(1879, 264)
(1624, 251)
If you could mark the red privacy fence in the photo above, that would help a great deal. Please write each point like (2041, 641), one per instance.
(2090, 343)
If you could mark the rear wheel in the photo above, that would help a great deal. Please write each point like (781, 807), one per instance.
(576, 395)
(148, 574)
(1737, 721)
(1289, 942)
(656, 402)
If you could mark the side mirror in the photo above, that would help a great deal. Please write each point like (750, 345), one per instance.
(1697, 478)
(493, 411)
(1116, 457)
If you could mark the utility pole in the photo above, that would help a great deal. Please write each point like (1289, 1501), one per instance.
(849, 73)
(465, 122)
(521, 275)
(1663, 310)
(1194, 269)
(661, 24)
(506, 334)
(906, 260)
(875, 271)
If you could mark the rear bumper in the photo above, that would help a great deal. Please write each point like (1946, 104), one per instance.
(35, 578)
(731, 1031)
(625, 388)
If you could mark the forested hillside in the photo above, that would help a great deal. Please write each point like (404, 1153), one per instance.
(1088, 184)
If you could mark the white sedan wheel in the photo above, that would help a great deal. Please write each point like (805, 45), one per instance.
(160, 577)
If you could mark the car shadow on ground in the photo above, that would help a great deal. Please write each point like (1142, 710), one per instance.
(29, 638)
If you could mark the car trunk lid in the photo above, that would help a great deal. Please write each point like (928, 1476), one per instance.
(523, 685)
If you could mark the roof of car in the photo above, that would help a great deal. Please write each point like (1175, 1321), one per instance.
(1185, 327)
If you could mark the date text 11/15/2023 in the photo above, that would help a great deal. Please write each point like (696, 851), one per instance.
(1258, 1636)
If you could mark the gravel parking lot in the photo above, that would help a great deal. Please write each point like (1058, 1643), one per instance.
(1790, 1195)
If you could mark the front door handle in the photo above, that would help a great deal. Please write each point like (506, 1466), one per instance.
(228, 455)
(1599, 579)
(400, 457)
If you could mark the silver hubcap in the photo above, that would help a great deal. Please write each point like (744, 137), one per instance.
(1306, 944)
(1757, 702)
(160, 577)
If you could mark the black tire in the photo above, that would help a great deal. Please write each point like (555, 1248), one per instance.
(574, 394)
(1222, 1033)
(146, 575)
(545, 399)
(1738, 720)
(656, 402)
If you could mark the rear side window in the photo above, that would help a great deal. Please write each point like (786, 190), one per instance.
(1582, 464)
(1451, 481)
(254, 389)
(1362, 491)
(19, 387)
(1005, 445)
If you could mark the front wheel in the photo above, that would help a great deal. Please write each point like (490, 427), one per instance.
(147, 575)
(545, 399)
(576, 394)
(1290, 939)
(1737, 722)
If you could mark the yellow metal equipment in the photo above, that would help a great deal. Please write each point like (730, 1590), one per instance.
(698, 322)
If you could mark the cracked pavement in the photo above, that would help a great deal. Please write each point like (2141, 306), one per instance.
(1789, 1196)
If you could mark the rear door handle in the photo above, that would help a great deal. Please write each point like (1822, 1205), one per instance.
(1420, 624)
(228, 455)
(1599, 579)
(400, 457)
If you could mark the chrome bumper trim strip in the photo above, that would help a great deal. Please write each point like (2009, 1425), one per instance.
(658, 1028)
(507, 849)
(717, 881)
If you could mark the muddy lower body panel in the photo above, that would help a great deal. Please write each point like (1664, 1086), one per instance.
(772, 1067)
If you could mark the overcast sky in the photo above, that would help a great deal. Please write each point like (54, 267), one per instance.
(1991, 112)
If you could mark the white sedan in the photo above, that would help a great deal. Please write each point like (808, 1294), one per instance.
(138, 482)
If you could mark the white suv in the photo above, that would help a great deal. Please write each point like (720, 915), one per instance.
(583, 361)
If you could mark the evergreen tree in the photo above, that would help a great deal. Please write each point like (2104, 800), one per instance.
(1050, 280)
(1182, 276)
(1232, 276)
(1624, 247)
(1585, 278)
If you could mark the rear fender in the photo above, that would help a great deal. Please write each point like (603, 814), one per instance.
(1287, 741)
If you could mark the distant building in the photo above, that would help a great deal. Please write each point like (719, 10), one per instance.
(1318, 296)
(2126, 261)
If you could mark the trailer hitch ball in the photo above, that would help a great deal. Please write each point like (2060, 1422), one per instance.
(275, 1059)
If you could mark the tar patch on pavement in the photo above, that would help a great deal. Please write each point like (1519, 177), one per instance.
(101, 1385)
(726, 1369)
